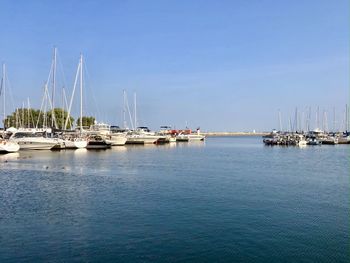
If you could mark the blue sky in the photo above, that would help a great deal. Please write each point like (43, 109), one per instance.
(220, 65)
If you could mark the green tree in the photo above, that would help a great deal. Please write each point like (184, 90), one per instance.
(23, 118)
(87, 121)
(30, 118)
(60, 117)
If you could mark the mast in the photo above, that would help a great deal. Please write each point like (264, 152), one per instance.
(53, 85)
(28, 115)
(23, 121)
(317, 117)
(290, 125)
(3, 88)
(63, 107)
(135, 111)
(280, 119)
(296, 119)
(346, 117)
(334, 120)
(124, 110)
(81, 93)
(325, 121)
(73, 92)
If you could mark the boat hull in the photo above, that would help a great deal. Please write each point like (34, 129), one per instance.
(98, 145)
(75, 144)
(8, 147)
(117, 140)
(142, 140)
(34, 144)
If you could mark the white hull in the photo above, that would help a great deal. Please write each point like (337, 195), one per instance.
(190, 137)
(75, 144)
(117, 140)
(8, 147)
(302, 143)
(35, 143)
(196, 137)
(139, 139)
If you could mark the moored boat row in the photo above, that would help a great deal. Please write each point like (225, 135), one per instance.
(315, 137)
(99, 136)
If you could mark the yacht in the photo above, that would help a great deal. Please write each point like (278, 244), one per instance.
(142, 135)
(111, 134)
(33, 141)
(97, 142)
(8, 146)
(187, 137)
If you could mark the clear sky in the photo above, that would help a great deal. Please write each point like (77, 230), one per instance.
(220, 65)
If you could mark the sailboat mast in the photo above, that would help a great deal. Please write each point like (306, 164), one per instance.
(346, 117)
(28, 115)
(4, 92)
(53, 85)
(334, 120)
(135, 111)
(280, 119)
(81, 93)
(63, 108)
(124, 109)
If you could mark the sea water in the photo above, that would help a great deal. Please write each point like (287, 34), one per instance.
(224, 200)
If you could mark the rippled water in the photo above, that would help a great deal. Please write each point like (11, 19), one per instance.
(225, 200)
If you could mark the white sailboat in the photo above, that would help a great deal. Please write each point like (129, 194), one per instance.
(79, 141)
(140, 135)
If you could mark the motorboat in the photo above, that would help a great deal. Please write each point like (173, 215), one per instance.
(116, 139)
(313, 141)
(187, 137)
(142, 135)
(97, 142)
(111, 134)
(8, 146)
(33, 141)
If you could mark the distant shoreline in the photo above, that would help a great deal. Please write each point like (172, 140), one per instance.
(219, 134)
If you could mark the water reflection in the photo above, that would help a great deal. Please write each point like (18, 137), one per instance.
(9, 156)
(80, 152)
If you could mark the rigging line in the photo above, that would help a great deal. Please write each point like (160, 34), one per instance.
(9, 89)
(60, 66)
(127, 107)
(41, 108)
(66, 105)
(72, 96)
(88, 78)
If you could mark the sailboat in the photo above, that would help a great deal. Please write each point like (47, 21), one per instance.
(141, 135)
(77, 142)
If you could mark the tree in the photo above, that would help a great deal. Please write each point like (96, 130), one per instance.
(87, 121)
(30, 118)
(22, 117)
(60, 117)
